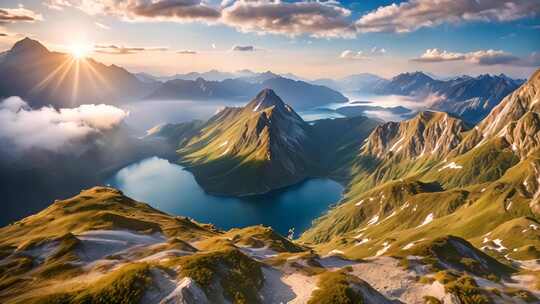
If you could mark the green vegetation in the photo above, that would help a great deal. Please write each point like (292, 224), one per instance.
(335, 288)
(240, 276)
(521, 294)
(468, 292)
(123, 286)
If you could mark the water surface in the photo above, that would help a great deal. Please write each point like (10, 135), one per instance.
(170, 188)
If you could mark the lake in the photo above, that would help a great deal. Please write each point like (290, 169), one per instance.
(168, 187)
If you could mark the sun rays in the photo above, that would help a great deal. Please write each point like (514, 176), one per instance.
(80, 50)
(74, 73)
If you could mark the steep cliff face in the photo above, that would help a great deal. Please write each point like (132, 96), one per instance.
(432, 134)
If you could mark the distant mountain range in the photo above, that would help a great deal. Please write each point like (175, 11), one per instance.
(215, 75)
(42, 78)
(471, 98)
(358, 82)
(299, 94)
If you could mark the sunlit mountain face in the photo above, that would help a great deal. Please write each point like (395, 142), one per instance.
(265, 151)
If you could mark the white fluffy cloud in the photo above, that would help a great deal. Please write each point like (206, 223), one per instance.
(436, 55)
(414, 14)
(362, 55)
(24, 128)
(314, 18)
(145, 10)
(20, 14)
(481, 57)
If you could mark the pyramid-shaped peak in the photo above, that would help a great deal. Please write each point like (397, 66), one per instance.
(265, 99)
(28, 45)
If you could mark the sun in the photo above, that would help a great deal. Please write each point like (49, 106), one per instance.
(80, 50)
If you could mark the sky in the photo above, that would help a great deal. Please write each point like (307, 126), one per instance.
(312, 39)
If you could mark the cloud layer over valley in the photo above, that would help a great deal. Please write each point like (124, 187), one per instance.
(23, 128)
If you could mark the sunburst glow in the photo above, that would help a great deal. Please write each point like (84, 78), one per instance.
(80, 50)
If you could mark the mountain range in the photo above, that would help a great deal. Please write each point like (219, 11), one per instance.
(45, 78)
(471, 98)
(363, 82)
(299, 94)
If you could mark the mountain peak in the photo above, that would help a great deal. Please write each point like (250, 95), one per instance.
(265, 99)
(28, 45)
(428, 133)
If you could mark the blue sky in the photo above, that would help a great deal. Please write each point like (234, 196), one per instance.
(311, 39)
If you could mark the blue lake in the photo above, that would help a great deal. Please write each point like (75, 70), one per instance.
(170, 188)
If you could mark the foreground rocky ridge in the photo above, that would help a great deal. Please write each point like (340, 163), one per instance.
(103, 247)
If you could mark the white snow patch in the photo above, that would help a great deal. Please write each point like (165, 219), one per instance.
(257, 107)
(451, 165)
(499, 246)
(385, 248)
(363, 241)
(97, 244)
(223, 144)
(412, 244)
(259, 253)
(225, 152)
(335, 251)
(427, 220)
(406, 205)
(373, 220)
(359, 203)
(187, 291)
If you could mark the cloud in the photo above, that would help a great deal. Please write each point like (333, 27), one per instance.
(435, 55)
(20, 14)
(102, 26)
(23, 128)
(414, 14)
(348, 54)
(490, 57)
(314, 18)
(362, 55)
(112, 49)
(243, 48)
(145, 10)
(481, 57)
(187, 52)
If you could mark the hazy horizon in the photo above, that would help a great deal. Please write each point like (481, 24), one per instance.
(308, 38)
